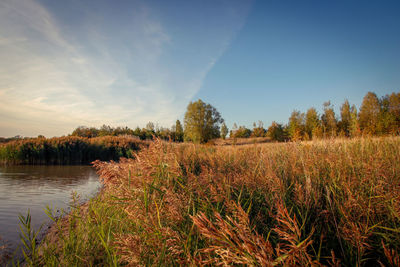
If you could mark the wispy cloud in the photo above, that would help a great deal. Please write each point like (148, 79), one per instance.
(56, 75)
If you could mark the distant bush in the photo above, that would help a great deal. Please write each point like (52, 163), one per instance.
(242, 132)
(276, 132)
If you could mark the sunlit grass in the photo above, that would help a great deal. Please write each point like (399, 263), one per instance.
(328, 202)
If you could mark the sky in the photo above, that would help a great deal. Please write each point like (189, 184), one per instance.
(65, 64)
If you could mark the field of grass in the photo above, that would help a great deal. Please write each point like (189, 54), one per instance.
(68, 150)
(240, 141)
(332, 202)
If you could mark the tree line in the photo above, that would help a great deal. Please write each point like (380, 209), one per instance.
(376, 116)
(175, 133)
(202, 122)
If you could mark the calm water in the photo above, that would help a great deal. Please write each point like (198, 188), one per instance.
(35, 187)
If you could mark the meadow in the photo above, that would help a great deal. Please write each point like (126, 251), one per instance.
(68, 150)
(330, 202)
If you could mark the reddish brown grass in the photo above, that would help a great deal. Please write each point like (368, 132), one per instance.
(326, 202)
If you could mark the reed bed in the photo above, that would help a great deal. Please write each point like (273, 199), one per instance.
(331, 202)
(68, 150)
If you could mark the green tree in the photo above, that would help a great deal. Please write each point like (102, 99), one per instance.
(84, 131)
(394, 110)
(345, 115)
(312, 122)
(389, 116)
(354, 127)
(139, 133)
(242, 132)
(201, 122)
(394, 104)
(276, 132)
(105, 130)
(329, 122)
(385, 118)
(224, 130)
(369, 113)
(178, 131)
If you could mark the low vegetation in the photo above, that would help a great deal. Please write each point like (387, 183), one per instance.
(68, 150)
(331, 202)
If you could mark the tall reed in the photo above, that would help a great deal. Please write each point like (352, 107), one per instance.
(68, 150)
(331, 202)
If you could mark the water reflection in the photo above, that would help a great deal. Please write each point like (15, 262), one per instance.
(35, 187)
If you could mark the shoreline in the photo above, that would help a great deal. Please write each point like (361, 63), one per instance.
(51, 234)
(48, 229)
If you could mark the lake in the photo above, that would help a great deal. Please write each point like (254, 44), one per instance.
(24, 188)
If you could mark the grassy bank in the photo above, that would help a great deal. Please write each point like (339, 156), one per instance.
(68, 150)
(328, 202)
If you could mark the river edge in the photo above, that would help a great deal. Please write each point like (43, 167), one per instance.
(28, 191)
(49, 233)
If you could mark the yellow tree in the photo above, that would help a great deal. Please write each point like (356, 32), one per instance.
(296, 125)
(369, 113)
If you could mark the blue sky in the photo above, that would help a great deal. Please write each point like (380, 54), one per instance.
(70, 63)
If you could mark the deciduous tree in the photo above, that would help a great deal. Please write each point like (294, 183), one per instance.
(242, 132)
(201, 122)
(345, 118)
(178, 131)
(224, 130)
(393, 111)
(258, 130)
(369, 113)
(276, 132)
(312, 122)
(354, 127)
(329, 121)
(296, 125)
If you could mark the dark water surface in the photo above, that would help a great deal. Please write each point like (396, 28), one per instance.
(35, 187)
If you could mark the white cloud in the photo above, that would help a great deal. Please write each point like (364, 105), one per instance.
(53, 79)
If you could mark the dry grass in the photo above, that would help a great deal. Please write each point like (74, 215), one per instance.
(328, 202)
(240, 141)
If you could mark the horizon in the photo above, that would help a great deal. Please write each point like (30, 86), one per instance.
(80, 63)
